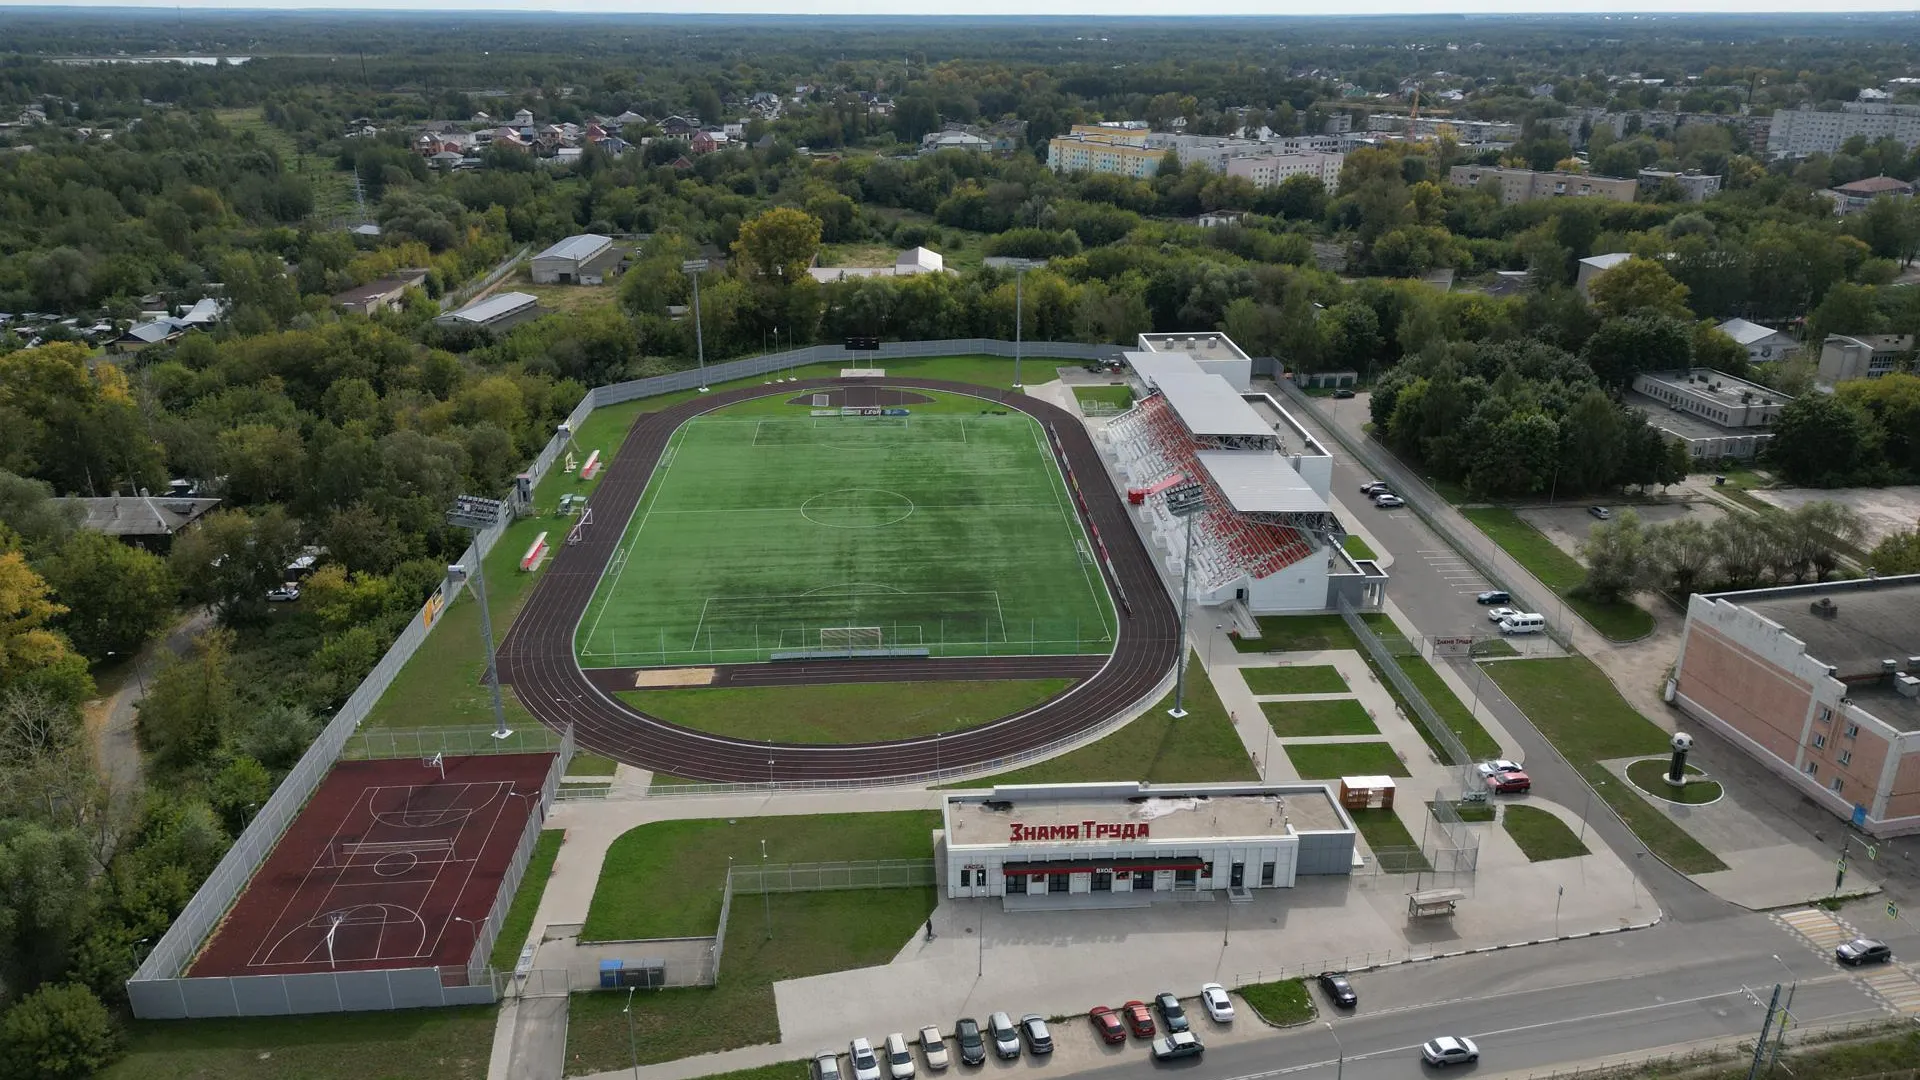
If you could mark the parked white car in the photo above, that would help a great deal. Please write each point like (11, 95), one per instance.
(899, 1057)
(933, 1047)
(1213, 997)
(865, 1064)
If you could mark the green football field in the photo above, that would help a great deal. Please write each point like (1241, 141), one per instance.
(769, 530)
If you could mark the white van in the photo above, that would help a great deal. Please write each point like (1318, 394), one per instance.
(1524, 622)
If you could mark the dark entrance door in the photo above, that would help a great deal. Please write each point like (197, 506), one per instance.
(1103, 881)
(1239, 876)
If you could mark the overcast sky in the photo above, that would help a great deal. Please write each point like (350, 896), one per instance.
(1041, 7)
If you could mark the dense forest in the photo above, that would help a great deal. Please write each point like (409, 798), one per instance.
(131, 190)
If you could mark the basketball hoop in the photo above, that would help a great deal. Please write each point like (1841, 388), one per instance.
(437, 762)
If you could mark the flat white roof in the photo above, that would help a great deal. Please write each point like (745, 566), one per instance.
(1260, 482)
(493, 307)
(1209, 405)
(580, 248)
(1608, 261)
(1203, 345)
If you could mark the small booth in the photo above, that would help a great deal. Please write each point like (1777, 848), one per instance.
(1366, 792)
(1433, 903)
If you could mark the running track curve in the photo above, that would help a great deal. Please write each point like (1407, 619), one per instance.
(537, 656)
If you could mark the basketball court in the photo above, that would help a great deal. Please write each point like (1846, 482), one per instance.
(393, 863)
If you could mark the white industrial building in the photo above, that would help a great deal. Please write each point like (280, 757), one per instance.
(586, 259)
(1039, 845)
(496, 312)
(1267, 538)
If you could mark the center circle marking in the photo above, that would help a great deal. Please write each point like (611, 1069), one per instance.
(857, 508)
(396, 863)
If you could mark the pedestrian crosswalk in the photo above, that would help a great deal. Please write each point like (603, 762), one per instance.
(1822, 929)
(1897, 987)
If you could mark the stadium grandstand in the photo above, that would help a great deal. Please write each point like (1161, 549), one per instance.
(1268, 538)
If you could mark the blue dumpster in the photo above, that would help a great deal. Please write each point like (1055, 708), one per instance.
(610, 974)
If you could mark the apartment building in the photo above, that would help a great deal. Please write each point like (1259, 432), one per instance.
(1857, 196)
(1464, 132)
(1819, 683)
(1525, 185)
(1104, 149)
(1266, 172)
(1695, 186)
(1799, 132)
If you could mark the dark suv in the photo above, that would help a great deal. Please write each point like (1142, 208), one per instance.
(1171, 1012)
(973, 1047)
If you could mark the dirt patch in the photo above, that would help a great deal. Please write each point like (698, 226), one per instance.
(860, 397)
(647, 678)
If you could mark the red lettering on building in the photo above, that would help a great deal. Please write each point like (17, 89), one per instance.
(1086, 830)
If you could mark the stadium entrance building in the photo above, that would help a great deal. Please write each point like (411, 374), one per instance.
(1046, 842)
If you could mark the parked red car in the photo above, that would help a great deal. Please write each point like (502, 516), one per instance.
(1509, 783)
(1139, 1018)
(1108, 1024)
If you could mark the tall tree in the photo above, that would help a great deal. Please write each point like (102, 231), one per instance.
(1616, 555)
(779, 243)
(233, 558)
(116, 596)
(32, 654)
(43, 901)
(1638, 285)
(1822, 440)
(191, 702)
(1623, 348)
(59, 1032)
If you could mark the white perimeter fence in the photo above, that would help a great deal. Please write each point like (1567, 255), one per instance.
(157, 990)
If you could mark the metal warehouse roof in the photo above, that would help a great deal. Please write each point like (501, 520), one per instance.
(493, 307)
(1150, 366)
(1260, 482)
(1209, 405)
(579, 248)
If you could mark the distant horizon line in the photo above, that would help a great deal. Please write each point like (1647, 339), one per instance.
(1554, 10)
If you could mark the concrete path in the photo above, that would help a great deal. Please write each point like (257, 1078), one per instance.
(112, 719)
(539, 1046)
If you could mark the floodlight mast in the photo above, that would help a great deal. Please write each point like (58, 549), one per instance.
(479, 514)
(1187, 501)
(695, 267)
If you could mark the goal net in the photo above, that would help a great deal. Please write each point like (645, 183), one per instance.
(837, 638)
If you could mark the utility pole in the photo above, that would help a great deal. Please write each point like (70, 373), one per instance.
(766, 899)
(478, 514)
(1187, 501)
(1020, 268)
(1766, 1026)
(695, 267)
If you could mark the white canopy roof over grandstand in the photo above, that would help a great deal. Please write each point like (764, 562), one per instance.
(1210, 406)
(1260, 482)
(1151, 365)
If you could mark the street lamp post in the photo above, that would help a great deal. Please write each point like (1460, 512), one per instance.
(1340, 1068)
(1786, 1015)
(633, 1048)
(766, 900)
(1186, 501)
(1020, 268)
(478, 514)
(695, 267)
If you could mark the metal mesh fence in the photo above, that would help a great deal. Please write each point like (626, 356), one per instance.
(1384, 658)
(381, 743)
(209, 904)
(827, 877)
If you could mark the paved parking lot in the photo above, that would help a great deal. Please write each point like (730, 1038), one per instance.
(1883, 510)
(1568, 526)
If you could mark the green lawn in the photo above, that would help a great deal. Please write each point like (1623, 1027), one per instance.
(591, 765)
(813, 934)
(844, 712)
(1117, 396)
(1330, 761)
(1493, 647)
(1304, 633)
(761, 532)
(1302, 718)
(1390, 841)
(1540, 835)
(1559, 571)
(415, 1044)
(664, 879)
(1156, 748)
(1313, 679)
(518, 922)
(1650, 775)
(1283, 1004)
(1470, 811)
(1574, 705)
(1357, 547)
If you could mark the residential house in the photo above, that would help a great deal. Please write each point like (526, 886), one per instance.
(380, 295)
(523, 118)
(935, 141)
(1863, 356)
(629, 118)
(1763, 343)
(204, 313)
(142, 520)
(1694, 185)
(706, 142)
(680, 126)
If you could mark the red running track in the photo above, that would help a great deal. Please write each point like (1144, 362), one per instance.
(538, 659)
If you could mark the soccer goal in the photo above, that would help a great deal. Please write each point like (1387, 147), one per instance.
(848, 638)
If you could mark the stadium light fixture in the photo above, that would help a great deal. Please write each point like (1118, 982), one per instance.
(695, 267)
(1186, 501)
(1020, 268)
(479, 514)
